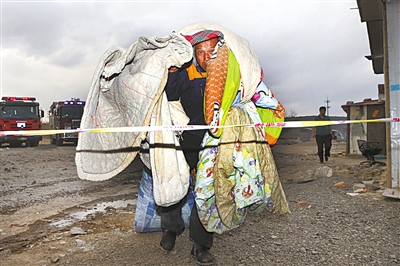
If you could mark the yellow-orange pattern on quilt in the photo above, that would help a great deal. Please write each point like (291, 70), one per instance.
(279, 111)
(216, 77)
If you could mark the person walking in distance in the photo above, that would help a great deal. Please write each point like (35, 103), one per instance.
(323, 135)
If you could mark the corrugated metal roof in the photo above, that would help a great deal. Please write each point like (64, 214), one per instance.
(371, 13)
(370, 10)
(365, 102)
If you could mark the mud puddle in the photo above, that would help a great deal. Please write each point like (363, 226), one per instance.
(84, 216)
(90, 210)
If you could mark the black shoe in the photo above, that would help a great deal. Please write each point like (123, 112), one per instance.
(203, 256)
(168, 240)
(326, 158)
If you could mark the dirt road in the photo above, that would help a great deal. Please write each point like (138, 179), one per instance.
(48, 216)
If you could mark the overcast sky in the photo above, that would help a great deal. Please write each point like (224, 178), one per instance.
(311, 51)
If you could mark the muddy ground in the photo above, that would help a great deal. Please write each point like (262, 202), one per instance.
(48, 216)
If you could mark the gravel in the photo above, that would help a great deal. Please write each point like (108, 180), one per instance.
(327, 226)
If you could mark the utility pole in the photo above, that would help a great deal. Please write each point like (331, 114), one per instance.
(327, 105)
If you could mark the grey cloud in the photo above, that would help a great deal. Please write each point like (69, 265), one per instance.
(68, 58)
(32, 26)
(51, 31)
(308, 50)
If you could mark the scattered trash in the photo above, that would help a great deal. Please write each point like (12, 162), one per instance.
(370, 186)
(363, 188)
(391, 193)
(360, 190)
(368, 182)
(358, 186)
(17, 225)
(340, 184)
(302, 204)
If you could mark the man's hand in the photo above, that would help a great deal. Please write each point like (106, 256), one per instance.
(193, 173)
(172, 69)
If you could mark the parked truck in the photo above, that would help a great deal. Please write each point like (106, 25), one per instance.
(65, 115)
(20, 113)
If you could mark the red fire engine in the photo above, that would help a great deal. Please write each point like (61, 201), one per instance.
(20, 113)
(65, 115)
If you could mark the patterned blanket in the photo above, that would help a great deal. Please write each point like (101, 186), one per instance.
(237, 174)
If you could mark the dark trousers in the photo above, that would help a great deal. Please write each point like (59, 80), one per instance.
(190, 144)
(324, 140)
(171, 218)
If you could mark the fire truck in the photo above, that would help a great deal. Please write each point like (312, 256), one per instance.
(65, 115)
(20, 113)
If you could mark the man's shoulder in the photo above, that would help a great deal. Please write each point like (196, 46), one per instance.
(193, 72)
(320, 118)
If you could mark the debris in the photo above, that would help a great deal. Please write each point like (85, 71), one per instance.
(302, 204)
(80, 243)
(323, 171)
(54, 259)
(340, 184)
(358, 186)
(310, 176)
(360, 190)
(391, 193)
(368, 182)
(17, 225)
(370, 186)
(77, 231)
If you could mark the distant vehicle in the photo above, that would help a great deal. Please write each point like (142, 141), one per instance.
(20, 113)
(65, 115)
(338, 136)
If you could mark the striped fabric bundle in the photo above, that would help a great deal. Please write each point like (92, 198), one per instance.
(216, 77)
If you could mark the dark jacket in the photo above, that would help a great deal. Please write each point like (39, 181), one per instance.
(189, 89)
(322, 130)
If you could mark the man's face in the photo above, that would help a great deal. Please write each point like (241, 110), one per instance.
(204, 51)
(322, 112)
